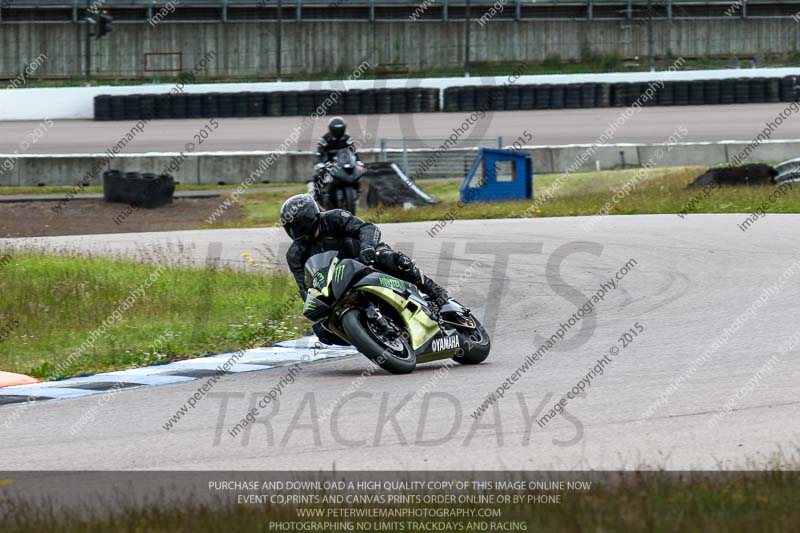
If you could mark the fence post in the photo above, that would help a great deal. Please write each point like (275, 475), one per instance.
(88, 50)
(382, 155)
(405, 157)
(466, 38)
(278, 38)
(650, 38)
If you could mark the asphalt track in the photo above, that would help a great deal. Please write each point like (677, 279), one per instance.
(693, 278)
(552, 127)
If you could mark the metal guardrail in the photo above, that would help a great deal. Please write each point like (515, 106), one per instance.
(361, 3)
(616, 9)
(788, 171)
(425, 158)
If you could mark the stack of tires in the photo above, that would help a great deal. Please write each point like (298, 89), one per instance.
(572, 96)
(603, 94)
(139, 190)
(542, 95)
(271, 104)
(727, 94)
(622, 94)
(431, 102)
(102, 107)
(712, 92)
(788, 89)
(527, 96)
(509, 97)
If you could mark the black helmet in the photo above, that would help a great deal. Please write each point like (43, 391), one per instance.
(337, 127)
(300, 216)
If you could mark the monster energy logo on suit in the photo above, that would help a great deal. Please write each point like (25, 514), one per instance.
(447, 343)
(338, 274)
(392, 283)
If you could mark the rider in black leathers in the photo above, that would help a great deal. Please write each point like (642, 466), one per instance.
(327, 146)
(337, 230)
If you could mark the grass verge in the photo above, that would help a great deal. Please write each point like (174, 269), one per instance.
(54, 306)
(656, 191)
(551, 65)
(651, 502)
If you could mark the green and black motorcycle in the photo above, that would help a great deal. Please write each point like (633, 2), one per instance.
(388, 319)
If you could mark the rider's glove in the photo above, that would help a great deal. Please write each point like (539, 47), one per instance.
(368, 255)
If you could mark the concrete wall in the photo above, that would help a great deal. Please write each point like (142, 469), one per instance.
(294, 167)
(248, 49)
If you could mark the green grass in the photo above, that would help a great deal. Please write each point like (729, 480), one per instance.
(645, 502)
(552, 65)
(262, 209)
(661, 190)
(56, 302)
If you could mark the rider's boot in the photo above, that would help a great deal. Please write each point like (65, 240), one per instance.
(437, 294)
(407, 269)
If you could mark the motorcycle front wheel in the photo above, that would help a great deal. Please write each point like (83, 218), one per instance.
(391, 354)
(350, 197)
(474, 341)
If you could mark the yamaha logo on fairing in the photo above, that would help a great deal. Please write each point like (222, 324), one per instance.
(448, 343)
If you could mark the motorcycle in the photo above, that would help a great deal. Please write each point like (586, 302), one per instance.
(388, 319)
(340, 182)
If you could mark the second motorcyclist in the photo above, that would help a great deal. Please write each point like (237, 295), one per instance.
(328, 145)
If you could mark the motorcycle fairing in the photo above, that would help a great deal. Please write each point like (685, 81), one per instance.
(421, 328)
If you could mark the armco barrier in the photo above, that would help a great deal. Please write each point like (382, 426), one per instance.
(295, 167)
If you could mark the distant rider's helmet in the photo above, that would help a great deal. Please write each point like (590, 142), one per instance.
(337, 126)
(300, 216)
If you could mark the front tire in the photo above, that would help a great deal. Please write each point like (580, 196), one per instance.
(396, 357)
(476, 343)
(350, 197)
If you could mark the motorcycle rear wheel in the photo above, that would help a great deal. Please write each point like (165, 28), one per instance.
(395, 356)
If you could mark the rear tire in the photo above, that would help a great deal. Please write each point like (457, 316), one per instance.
(397, 360)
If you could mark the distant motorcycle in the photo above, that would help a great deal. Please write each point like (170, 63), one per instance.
(338, 188)
(388, 319)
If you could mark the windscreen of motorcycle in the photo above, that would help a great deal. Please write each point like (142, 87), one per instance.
(317, 268)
